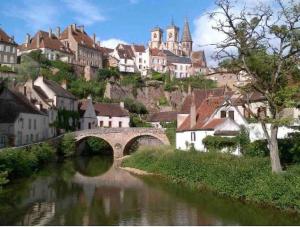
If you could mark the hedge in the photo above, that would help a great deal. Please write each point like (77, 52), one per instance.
(248, 178)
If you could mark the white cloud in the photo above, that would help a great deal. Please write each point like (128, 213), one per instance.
(85, 12)
(36, 14)
(204, 35)
(112, 43)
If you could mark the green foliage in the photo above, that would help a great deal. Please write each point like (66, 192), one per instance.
(5, 69)
(243, 139)
(170, 131)
(82, 88)
(97, 146)
(163, 101)
(133, 79)
(257, 148)
(133, 106)
(68, 146)
(137, 121)
(67, 120)
(158, 76)
(103, 74)
(245, 178)
(217, 143)
(23, 162)
(3, 178)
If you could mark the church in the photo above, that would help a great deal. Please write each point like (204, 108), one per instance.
(172, 43)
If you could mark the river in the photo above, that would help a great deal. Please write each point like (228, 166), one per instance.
(93, 191)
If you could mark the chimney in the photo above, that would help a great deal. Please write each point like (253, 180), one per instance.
(193, 113)
(38, 40)
(81, 28)
(64, 84)
(58, 32)
(94, 38)
(27, 40)
(69, 31)
(122, 105)
(50, 33)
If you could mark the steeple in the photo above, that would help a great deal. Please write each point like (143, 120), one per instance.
(186, 39)
(186, 34)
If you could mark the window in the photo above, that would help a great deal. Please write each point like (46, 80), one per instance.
(31, 138)
(90, 125)
(223, 114)
(27, 139)
(120, 124)
(5, 58)
(140, 67)
(8, 49)
(29, 123)
(34, 124)
(181, 67)
(1, 47)
(37, 137)
(193, 136)
(109, 124)
(101, 123)
(231, 114)
(12, 60)
(140, 60)
(14, 50)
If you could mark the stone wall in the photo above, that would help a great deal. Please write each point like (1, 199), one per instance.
(149, 95)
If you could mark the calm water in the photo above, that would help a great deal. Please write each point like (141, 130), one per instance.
(91, 191)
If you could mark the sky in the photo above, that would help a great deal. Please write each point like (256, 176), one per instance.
(113, 21)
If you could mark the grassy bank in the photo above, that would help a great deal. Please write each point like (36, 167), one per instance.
(247, 178)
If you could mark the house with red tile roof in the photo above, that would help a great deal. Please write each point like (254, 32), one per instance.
(49, 44)
(215, 116)
(8, 49)
(88, 118)
(125, 57)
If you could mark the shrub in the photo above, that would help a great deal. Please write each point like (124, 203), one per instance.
(246, 178)
(44, 152)
(134, 106)
(217, 143)
(137, 121)
(97, 146)
(3, 178)
(68, 145)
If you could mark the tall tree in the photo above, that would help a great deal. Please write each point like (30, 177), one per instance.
(263, 41)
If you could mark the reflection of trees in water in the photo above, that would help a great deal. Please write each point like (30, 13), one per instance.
(93, 166)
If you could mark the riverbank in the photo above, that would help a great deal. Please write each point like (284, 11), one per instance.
(244, 178)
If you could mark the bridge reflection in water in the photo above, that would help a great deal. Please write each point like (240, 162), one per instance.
(67, 194)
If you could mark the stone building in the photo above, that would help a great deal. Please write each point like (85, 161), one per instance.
(87, 51)
(21, 122)
(49, 44)
(173, 43)
(8, 49)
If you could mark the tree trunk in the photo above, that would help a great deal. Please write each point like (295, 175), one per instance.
(274, 152)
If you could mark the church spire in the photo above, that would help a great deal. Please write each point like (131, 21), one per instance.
(186, 35)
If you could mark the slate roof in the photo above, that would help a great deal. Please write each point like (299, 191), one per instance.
(4, 38)
(13, 103)
(46, 41)
(110, 109)
(163, 116)
(186, 35)
(173, 58)
(58, 90)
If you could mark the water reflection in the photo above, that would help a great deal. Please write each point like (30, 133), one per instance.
(93, 191)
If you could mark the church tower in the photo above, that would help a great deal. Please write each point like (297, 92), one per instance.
(156, 37)
(186, 39)
(172, 38)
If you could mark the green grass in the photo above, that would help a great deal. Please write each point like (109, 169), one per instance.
(247, 178)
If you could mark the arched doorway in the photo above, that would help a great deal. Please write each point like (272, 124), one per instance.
(140, 142)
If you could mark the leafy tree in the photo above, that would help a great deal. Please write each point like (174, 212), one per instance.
(103, 74)
(82, 88)
(264, 43)
(134, 106)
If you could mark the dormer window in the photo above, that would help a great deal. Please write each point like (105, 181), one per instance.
(223, 114)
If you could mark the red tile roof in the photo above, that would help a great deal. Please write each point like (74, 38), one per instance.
(125, 51)
(200, 95)
(204, 111)
(139, 48)
(110, 109)
(163, 116)
(213, 123)
(5, 38)
(46, 41)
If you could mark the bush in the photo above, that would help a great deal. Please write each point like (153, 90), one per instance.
(217, 143)
(248, 178)
(137, 121)
(44, 152)
(135, 107)
(97, 146)
(3, 178)
(68, 146)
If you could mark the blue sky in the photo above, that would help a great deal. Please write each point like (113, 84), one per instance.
(128, 20)
(114, 21)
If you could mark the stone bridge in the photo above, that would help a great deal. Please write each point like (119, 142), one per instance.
(120, 138)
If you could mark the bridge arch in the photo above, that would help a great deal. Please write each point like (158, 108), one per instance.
(120, 138)
(81, 143)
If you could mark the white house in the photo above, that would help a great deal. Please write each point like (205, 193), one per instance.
(156, 119)
(20, 121)
(112, 115)
(215, 116)
(125, 57)
(142, 58)
(88, 118)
